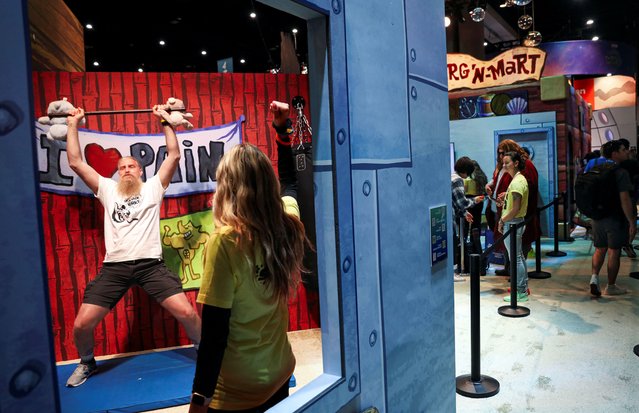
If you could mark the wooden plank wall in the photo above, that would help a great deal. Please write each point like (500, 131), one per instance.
(57, 37)
(73, 225)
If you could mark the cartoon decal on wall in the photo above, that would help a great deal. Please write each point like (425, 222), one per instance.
(186, 241)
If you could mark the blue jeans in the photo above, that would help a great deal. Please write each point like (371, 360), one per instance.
(522, 271)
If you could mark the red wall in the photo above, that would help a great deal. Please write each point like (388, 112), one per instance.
(73, 225)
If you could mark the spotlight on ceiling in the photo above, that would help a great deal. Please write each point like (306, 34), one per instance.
(253, 15)
(96, 63)
(203, 52)
(595, 38)
(162, 42)
(485, 43)
(446, 21)
(294, 31)
(242, 61)
(589, 22)
(608, 74)
(140, 70)
(89, 26)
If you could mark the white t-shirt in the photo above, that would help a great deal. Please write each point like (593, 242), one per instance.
(131, 226)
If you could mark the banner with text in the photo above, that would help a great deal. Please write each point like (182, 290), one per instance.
(513, 66)
(201, 152)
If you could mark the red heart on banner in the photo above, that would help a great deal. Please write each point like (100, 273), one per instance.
(105, 162)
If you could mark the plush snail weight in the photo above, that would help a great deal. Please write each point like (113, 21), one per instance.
(173, 112)
(58, 129)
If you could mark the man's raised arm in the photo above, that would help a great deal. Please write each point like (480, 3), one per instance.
(74, 154)
(170, 163)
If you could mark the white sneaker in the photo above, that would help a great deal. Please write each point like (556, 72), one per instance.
(613, 289)
(458, 278)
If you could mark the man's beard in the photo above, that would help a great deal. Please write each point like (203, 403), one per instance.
(129, 187)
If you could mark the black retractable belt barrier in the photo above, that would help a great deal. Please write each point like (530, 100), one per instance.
(512, 310)
(475, 384)
(556, 252)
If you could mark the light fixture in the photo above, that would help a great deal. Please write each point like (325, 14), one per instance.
(589, 22)
(89, 26)
(252, 15)
(294, 31)
(485, 43)
(595, 38)
(446, 21)
(162, 42)
(203, 52)
(608, 74)
(242, 61)
(95, 63)
(140, 70)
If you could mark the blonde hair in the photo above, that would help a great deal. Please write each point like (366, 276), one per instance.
(248, 200)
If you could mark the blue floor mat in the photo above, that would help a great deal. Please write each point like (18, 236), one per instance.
(131, 384)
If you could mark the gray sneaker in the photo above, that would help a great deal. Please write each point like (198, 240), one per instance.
(81, 374)
(613, 289)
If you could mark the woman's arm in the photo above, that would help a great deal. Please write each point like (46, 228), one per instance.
(215, 332)
(513, 212)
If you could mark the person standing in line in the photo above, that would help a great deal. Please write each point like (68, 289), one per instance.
(461, 205)
(515, 204)
(612, 232)
(132, 241)
(252, 265)
(533, 228)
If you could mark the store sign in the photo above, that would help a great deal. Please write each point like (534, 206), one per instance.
(513, 66)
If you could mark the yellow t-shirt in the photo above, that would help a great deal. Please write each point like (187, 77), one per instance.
(518, 185)
(470, 187)
(258, 358)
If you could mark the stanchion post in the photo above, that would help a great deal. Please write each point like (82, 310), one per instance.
(567, 238)
(556, 252)
(513, 310)
(475, 384)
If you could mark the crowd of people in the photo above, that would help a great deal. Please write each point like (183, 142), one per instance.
(254, 257)
(512, 198)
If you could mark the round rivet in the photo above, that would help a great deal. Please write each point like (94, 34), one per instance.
(187, 143)
(372, 338)
(337, 7)
(341, 136)
(366, 188)
(352, 382)
(413, 92)
(409, 179)
(413, 55)
(346, 264)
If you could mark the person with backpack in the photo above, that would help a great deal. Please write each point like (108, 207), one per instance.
(603, 194)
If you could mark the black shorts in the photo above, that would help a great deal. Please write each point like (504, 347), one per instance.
(115, 279)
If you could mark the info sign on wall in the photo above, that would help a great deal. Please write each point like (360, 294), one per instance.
(513, 66)
(438, 234)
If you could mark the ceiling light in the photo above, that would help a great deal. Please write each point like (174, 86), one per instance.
(162, 42)
(140, 70)
(252, 15)
(203, 52)
(242, 61)
(294, 31)
(89, 26)
(609, 74)
(485, 43)
(595, 38)
(446, 21)
(589, 22)
(95, 63)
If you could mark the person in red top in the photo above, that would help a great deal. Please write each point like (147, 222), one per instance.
(499, 184)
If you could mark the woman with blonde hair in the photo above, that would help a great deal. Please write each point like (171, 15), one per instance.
(253, 263)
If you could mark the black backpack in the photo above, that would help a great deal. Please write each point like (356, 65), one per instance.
(596, 191)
